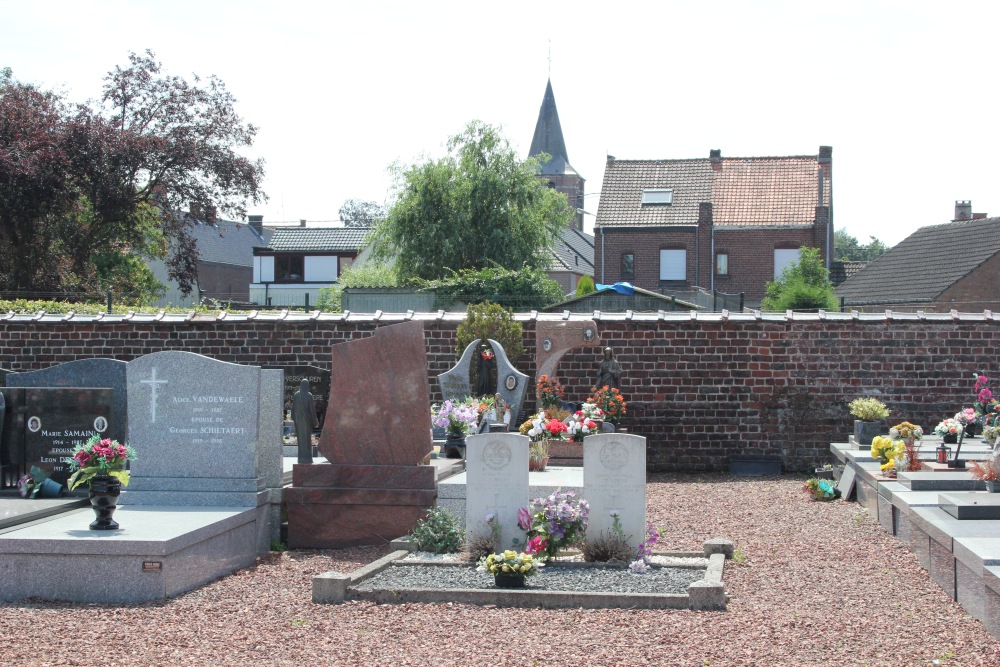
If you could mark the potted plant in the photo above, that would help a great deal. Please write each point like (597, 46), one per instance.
(869, 412)
(825, 471)
(538, 455)
(101, 463)
(544, 431)
(510, 568)
(611, 403)
(553, 523)
(458, 419)
(887, 451)
(580, 427)
(988, 471)
(590, 410)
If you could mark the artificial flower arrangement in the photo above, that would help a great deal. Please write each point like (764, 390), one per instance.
(988, 470)
(590, 410)
(552, 523)
(967, 416)
(550, 392)
(510, 562)
(868, 409)
(100, 456)
(457, 417)
(581, 427)
(611, 402)
(887, 450)
(821, 489)
(949, 427)
(905, 431)
(541, 427)
(985, 404)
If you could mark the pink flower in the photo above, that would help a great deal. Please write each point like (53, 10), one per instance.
(524, 518)
(536, 545)
(985, 395)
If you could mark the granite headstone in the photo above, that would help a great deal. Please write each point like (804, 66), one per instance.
(85, 373)
(496, 469)
(193, 422)
(511, 383)
(57, 420)
(614, 481)
(555, 339)
(319, 386)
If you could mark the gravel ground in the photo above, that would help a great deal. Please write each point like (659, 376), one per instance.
(820, 584)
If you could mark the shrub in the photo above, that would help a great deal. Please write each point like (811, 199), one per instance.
(585, 286)
(606, 547)
(438, 532)
(521, 290)
(491, 320)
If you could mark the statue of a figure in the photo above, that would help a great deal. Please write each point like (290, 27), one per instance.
(305, 420)
(485, 372)
(499, 409)
(610, 372)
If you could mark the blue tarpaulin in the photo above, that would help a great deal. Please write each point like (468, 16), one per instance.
(621, 288)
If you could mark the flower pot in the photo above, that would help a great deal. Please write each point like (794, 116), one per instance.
(104, 492)
(950, 438)
(509, 580)
(454, 446)
(864, 432)
(51, 489)
(992, 485)
(538, 465)
(971, 430)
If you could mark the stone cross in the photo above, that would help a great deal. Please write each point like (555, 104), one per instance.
(153, 386)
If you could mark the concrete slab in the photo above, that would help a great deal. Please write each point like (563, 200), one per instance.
(971, 505)
(939, 481)
(15, 510)
(943, 528)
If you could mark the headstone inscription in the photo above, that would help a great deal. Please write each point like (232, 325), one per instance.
(496, 469)
(319, 386)
(614, 483)
(193, 422)
(57, 420)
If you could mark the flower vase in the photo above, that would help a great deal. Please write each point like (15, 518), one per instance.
(950, 438)
(454, 446)
(509, 580)
(104, 492)
(538, 465)
(992, 486)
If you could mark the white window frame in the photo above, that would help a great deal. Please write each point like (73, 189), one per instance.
(673, 264)
(783, 258)
(657, 197)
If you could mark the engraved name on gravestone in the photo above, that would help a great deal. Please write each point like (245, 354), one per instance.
(614, 480)
(496, 468)
(57, 420)
(191, 416)
(319, 385)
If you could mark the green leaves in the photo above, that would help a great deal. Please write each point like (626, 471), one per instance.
(802, 286)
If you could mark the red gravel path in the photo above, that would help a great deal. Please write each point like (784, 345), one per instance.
(821, 584)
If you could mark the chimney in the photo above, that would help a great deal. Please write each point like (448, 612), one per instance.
(194, 210)
(611, 158)
(257, 224)
(825, 155)
(963, 210)
(302, 223)
(211, 213)
(715, 155)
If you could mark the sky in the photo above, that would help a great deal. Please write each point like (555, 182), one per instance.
(902, 90)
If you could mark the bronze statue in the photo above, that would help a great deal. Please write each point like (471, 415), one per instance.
(610, 372)
(305, 420)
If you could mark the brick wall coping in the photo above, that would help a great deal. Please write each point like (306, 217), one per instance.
(292, 317)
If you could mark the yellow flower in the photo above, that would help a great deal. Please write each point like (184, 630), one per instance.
(506, 568)
(891, 463)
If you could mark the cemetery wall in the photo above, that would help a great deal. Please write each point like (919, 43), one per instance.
(701, 390)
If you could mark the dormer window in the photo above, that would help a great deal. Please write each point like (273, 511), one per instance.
(659, 197)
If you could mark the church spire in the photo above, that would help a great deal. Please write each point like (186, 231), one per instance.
(549, 137)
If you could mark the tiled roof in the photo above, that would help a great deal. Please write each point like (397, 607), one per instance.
(925, 264)
(742, 191)
(227, 242)
(327, 239)
(573, 251)
(841, 270)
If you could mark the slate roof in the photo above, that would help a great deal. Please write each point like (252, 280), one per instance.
(320, 239)
(227, 242)
(925, 264)
(742, 191)
(573, 251)
(548, 137)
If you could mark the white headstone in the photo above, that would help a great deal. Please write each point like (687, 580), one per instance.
(496, 469)
(614, 480)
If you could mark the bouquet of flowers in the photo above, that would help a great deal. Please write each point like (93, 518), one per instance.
(100, 456)
(988, 470)
(887, 450)
(550, 392)
(949, 427)
(541, 427)
(611, 402)
(590, 410)
(510, 562)
(821, 489)
(458, 418)
(966, 416)
(580, 427)
(985, 403)
(558, 521)
(905, 431)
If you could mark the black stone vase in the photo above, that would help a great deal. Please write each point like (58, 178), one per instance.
(454, 446)
(509, 580)
(104, 492)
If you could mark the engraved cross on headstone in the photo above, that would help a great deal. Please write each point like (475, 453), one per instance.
(615, 505)
(496, 507)
(154, 387)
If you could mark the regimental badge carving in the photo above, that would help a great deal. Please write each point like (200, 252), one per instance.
(497, 455)
(614, 456)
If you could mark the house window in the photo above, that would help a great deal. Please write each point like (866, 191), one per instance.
(783, 258)
(289, 268)
(628, 266)
(345, 263)
(673, 264)
(722, 263)
(661, 197)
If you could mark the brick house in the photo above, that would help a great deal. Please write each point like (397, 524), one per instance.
(954, 266)
(726, 224)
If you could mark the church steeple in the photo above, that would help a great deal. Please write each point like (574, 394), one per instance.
(549, 137)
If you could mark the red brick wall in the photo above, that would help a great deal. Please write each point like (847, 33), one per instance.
(700, 391)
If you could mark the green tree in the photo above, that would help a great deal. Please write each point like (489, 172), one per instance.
(369, 274)
(360, 213)
(481, 205)
(804, 285)
(846, 248)
(585, 286)
(489, 320)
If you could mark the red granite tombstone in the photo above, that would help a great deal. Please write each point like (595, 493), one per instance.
(376, 433)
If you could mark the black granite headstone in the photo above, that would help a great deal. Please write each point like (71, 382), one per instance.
(57, 420)
(319, 386)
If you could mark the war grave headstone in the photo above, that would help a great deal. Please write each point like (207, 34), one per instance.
(496, 469)
(614, 481)
(373, 487)
(195, 509)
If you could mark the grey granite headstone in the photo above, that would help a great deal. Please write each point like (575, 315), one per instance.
(3, 376)
(269, 465)
(512, 384)
(193, 422)
(83, 374)
(614, 480)
(846, 483)
(496, 467)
